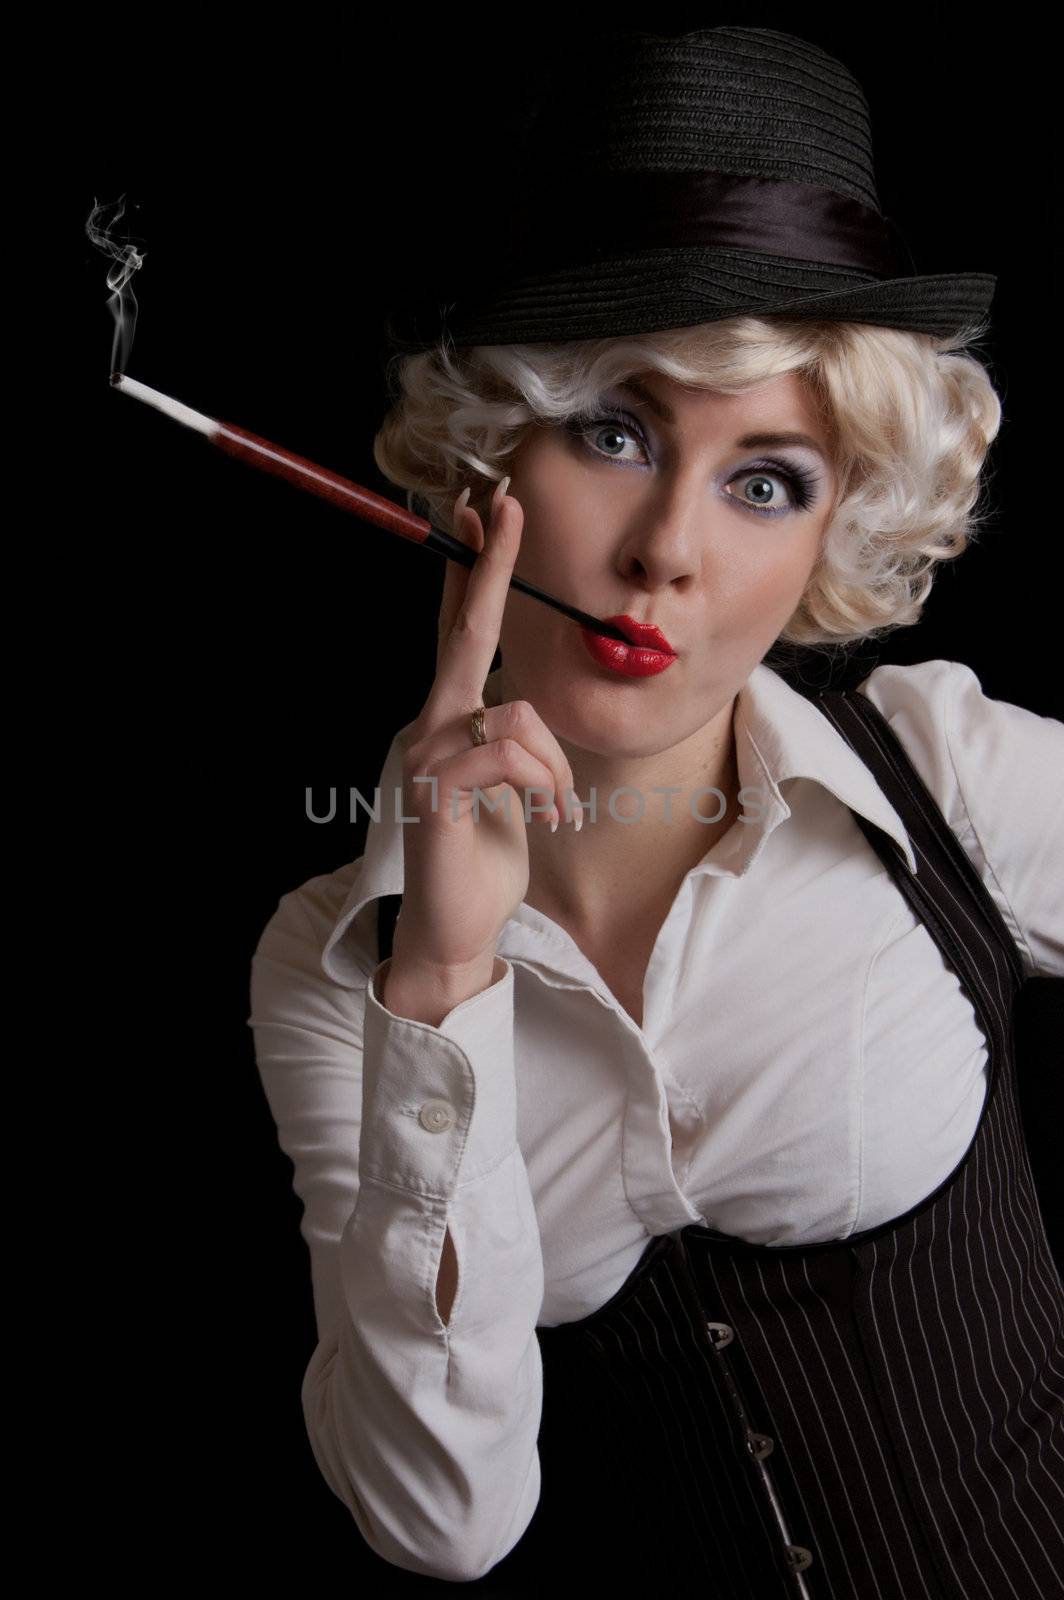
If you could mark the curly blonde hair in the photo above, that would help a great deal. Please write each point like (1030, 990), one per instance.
(911, 417)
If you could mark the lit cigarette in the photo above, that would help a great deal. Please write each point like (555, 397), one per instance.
(339, 491)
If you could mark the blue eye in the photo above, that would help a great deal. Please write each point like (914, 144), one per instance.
(582, 427)
(801, 484)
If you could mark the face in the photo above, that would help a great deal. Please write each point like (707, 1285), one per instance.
(676, 523)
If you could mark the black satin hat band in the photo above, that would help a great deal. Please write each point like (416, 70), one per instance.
(622, 212)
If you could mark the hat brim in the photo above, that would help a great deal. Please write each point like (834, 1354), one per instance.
(655, 291)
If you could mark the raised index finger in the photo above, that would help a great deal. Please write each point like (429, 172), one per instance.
(465, 525)
(465, 656)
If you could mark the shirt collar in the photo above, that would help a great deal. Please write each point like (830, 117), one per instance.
(779, 734)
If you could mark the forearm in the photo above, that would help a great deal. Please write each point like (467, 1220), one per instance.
(428, 1433)
(423, 1399)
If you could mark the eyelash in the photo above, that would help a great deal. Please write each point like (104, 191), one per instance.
(800, 481)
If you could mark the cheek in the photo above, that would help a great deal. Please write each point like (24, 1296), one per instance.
(571, 514)
(565, 548)
(755, 602)
(767, 576)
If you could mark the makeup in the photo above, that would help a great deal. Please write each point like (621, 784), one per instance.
(802, 483)
(647, 653)
(342, 492)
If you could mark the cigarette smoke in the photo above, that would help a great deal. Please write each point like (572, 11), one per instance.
(127, 258)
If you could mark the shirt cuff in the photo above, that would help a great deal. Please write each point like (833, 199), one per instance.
(439, 1105)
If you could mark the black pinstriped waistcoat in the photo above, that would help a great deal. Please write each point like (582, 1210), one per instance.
(879, 1417)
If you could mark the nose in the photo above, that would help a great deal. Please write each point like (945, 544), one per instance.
(664, 546)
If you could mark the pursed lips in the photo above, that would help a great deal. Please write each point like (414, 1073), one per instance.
(643, 634)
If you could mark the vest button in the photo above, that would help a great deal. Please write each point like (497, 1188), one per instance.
(437, 1116)
(760, 1445)
(798, 1557)
(720, 1333)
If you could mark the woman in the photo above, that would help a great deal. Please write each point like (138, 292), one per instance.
(667, 1209)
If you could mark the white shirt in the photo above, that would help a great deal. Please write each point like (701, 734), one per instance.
(807, 1067)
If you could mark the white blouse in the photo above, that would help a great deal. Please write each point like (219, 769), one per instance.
(807, 1067)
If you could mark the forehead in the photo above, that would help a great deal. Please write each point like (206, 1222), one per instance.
(788, 390)
(785, 403)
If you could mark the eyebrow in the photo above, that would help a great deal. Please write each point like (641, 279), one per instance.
(749, 441)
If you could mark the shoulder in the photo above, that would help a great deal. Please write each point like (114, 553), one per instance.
(290, 947)
(917, 702)
(996, 771)
(962, 740)
(315, 905)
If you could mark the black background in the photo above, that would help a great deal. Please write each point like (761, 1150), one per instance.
(284, 191)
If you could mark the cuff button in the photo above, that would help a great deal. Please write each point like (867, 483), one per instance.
(437, 1116)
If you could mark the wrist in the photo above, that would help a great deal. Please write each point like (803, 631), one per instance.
(424, 992)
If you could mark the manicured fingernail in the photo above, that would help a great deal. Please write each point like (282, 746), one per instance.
(554, 820)
(459, 506)
(500, 490)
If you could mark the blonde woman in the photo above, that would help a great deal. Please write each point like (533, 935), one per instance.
(667, 1202)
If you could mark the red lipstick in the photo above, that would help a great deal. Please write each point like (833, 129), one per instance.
(649, 651)
(642, 633)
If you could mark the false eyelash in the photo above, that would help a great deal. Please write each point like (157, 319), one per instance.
(802, 482)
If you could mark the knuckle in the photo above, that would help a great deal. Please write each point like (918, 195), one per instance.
(414, 763)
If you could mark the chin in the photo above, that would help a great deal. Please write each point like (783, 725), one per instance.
(621, 730)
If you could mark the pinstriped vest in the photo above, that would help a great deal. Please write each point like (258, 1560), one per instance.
(879, 1417)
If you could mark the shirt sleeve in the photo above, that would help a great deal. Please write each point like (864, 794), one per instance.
(996, 770)
(398, 1131)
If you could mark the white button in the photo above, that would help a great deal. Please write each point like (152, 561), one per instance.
(437, 1116)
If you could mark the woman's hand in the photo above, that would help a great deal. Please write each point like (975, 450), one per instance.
(465, 874)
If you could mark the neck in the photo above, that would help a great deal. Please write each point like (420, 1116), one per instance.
(633, 852)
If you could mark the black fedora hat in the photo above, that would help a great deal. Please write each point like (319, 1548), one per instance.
(677, 180)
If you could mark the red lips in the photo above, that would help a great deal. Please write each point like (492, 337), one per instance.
(643, 634)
